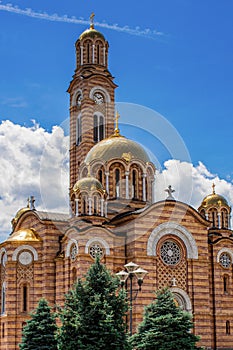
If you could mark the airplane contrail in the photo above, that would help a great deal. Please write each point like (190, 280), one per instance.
(149, 33)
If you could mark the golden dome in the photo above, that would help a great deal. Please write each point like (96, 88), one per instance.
(88, 184)
(25, 234)
(91, 33)
(117, 147)
(214, 200)
(18, 214)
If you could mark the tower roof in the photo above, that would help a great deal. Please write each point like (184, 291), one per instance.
(88, 184)
(214, 200)
(91, 32)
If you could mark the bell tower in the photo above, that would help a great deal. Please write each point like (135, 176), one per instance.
(92, 97)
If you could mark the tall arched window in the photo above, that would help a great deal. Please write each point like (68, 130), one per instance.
(95, 205)
(3, 299)
(117, 183)
(100, 176)
(84, 205)
(79, 130)
(225, 284)
(24, 292)
(98, 131)
(213, 216)
(134, 184)
(228, 328)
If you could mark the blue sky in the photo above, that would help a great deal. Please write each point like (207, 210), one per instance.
(185, 73)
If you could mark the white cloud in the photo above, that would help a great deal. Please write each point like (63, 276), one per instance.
(150, 33)
(35, 162)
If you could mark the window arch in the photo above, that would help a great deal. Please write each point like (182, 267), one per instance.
(3, 299)
(98, 131)
(117, 182)
(79, 129)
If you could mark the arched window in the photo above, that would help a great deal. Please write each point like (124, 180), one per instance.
(224, 219)
(98, 54)
(84, 205)
(228, 328)
(3, 330)
(88, 53)
(100, 176)
(79, 130)
(225, 284)
(98, 131)
(213, 216)
(74, 275)
(134, 184)
(24, 292)
(117, 183)
(3, 299)
(95, 205)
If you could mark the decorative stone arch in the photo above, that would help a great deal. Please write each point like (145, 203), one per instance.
(25, 247)
(74, 98)
(182, 298)
(172, 228)
(225, 250)
(102, 91)
(99, 240)
(70, 243)
(2, 252)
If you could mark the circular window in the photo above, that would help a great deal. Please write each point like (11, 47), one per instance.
(170, 253)
(73, 252)
(25, 258)
(225, 260)
(98, 98)
(79, 100)
(96, 250)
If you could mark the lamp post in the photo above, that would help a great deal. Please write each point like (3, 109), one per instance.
(133, 270)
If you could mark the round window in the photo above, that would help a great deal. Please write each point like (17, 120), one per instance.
(170, 253)
(73, 252)
(225, 260)
(96, 250)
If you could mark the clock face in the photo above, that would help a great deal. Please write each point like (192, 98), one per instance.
(79, 100)
(98, 98)
(25, 258)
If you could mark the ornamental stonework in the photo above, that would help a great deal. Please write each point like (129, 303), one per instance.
(24, 273)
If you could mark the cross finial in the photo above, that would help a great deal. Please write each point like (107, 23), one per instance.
(169, 191)
(213, 186)
(92, 20)
(117, 131)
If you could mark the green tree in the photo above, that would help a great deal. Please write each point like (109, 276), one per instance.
(39, 332)
(93, 314)
(165, 326)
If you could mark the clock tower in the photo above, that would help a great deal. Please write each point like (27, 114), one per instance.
(92, 97)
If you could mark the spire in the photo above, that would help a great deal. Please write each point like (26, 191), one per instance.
(117, 131)
(92, 20)
(213, 186)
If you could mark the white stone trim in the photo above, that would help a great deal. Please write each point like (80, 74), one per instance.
(99, 240)
(101, 90)
(70, 243)
(225, 250)
(172, 228)
(73, 102)
(184, 296)
(25, 247)
(2, 251)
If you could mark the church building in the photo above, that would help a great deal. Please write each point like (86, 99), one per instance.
(114, 216)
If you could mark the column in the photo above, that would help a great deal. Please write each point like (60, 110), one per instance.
(81, 58)
(107, 183)
(104, 55)
(219, 220)
(93, 53)
(102, 206)
(90, 206)
(144, 187)
(76, 207)
(106, 209)
(127, 184)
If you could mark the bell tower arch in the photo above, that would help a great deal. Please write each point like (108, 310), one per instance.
(92, 97)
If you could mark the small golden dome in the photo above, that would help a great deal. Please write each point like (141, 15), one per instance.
(25, 234)
(91, 33)
(18, 214)
(214, 200)
(116, 147)
(88, 184)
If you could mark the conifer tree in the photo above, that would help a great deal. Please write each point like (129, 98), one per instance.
(39, 332)
(165, 326)
(93, 315)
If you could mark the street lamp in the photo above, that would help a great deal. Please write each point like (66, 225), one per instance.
(133, 270)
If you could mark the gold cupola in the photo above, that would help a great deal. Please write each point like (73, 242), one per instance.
(216, 209)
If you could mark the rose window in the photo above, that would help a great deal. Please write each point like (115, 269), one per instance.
(170, 253)
(225, 260)
(96, 250)
(73, 252)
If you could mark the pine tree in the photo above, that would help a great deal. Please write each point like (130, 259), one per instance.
(39, 332)
(93, 315)
(165, 326)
